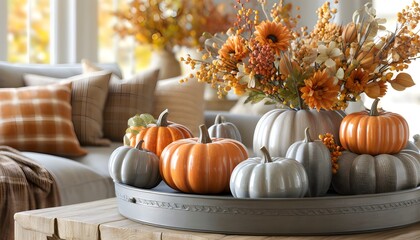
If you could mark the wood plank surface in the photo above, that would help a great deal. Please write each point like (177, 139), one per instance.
(101, 220)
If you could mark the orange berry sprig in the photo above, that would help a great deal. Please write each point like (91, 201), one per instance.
(335, 150)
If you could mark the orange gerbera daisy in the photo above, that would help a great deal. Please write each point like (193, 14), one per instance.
(276, 35)
(357, 81)
(233, 50)
(320, 91)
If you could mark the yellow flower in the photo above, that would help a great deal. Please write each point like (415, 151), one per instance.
(320, 91)
(274, 34)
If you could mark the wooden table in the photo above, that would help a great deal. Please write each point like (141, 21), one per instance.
(100, 220)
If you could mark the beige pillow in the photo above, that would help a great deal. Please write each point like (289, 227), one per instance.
(185, 102)
(89, 94)
(126, 98)
(38, 119)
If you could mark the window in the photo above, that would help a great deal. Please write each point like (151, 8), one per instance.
(406, 103)
(65, 31)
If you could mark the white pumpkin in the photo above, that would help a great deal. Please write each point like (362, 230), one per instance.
(316, 159)
(134, 166)
(223, 129)
(278, 129)
(266, 177)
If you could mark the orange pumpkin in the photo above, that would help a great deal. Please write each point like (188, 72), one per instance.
(157, 136)
(201, 165)
(373, 132)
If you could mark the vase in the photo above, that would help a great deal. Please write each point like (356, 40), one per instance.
(166, 62)
(278, 129)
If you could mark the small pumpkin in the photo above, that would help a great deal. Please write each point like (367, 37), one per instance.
(316, 159)
(135, 124)
(266, 177)
(134, 166)
(367, 174)
(201, 165)
(278, 129)
(373, 132)
(223, 129)
(157, 136)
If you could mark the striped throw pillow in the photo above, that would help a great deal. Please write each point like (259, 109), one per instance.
(38, 119)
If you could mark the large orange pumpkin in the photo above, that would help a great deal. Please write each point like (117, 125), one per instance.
(157, 136)
(201, 165)
(373, 132)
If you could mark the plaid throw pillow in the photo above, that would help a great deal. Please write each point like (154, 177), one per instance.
(89, 93)
(126, 98)
(38, 119)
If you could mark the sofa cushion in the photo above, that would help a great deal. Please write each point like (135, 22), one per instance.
(98, 158)
(185, 102)
(76, 182)
(126, 98)
(89, 94)
(38, 119)
(11, 74)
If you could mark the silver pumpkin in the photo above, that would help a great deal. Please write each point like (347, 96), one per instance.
(223, 129)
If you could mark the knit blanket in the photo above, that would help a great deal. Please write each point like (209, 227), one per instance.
(24, 185)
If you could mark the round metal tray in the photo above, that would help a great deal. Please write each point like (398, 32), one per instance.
(331, 214)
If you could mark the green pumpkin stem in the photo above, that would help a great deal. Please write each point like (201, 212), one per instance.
(307, 136)
(219, 119)
(374, 108)
(204, 135)
(138, 145)
(266, 158)
(162, 120)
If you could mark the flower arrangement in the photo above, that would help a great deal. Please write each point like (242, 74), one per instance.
(322, 69)
(167, 23)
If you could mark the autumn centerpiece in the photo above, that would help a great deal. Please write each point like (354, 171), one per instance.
(310, 75)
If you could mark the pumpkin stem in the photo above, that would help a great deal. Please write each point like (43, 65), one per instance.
(138, 145)
(307, 136)
(219, 119)
(266, 155)
(374, 108)
(162, 120)
(204, 135)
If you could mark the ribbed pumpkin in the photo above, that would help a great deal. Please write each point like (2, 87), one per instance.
(266, 177)
(223, 129)
(201, 165)
(367, 174)
(157, 136)
(134, 166)
(280, 128)
(372, 132)
(135, 124)
(316, 159)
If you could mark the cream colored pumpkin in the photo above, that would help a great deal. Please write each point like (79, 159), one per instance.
(280, 128)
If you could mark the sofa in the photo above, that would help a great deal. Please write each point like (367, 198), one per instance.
(86, 178)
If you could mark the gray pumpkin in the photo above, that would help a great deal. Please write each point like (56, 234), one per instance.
(316, 159)
(223, 129)
(367, 174)
(134, 166)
